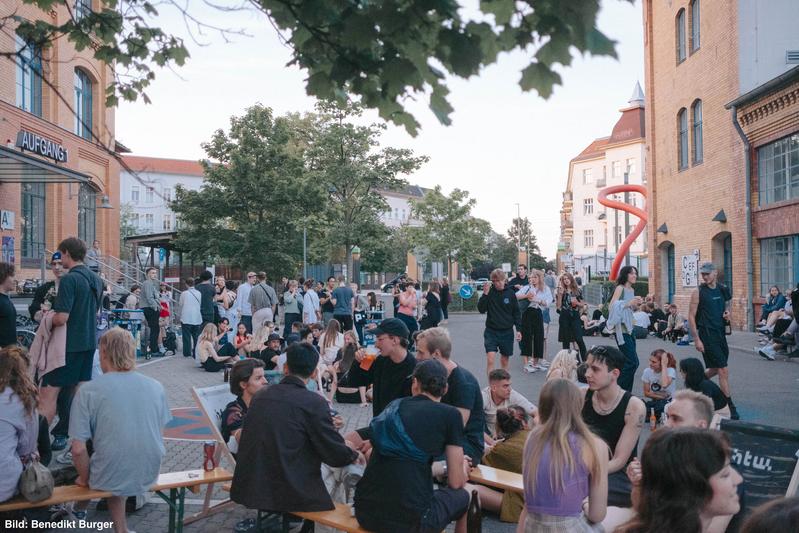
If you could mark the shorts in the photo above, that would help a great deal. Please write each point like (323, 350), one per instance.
(716, 350)
(498, 340)
(446, 506)
(77, 368)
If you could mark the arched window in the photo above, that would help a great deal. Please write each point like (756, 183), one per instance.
(29, 76)
(679, 33)
(83, 105)
(696, 117)
(695, 19)
(682, 138)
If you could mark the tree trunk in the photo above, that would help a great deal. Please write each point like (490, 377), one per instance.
(348, 261)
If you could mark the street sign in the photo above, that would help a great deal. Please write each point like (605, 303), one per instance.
(506, 267)
(466, 291)
(171, 280)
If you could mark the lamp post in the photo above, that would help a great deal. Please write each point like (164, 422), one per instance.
(356, 264)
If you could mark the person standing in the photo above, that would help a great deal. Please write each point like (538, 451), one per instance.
(498, 303)
(8, 313)
(570, 326)
(623, 303)
(291, 307)
(406, 311)
(446, 298)
(151, 305)
(243, 307)
(707, 314)
(263, 301)
(432, 306)
(93, 257)
(207, 293)
(537, 297)
(324, 300)
(343, 304)
(78, 300)
(311, 313)
(191, 318)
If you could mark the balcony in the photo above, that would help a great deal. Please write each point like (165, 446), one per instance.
(601, 182)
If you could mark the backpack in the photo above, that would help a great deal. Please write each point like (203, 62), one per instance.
(121, 302)
(171, 340)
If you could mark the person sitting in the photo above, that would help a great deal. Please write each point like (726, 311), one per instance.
(774, 302)
(500, 395)
(693, 373)
(660, 381)
(595, 325)
(19, 419)
(564, 464)
(781, 514)
(271, 353)
(396, 493)
(513, 428)
(675, 324)
(123, 413)
(641, 322)
(352, 379)
(246, 378)
(698, 462)
(657, 318)
(242, 340)
(211, 359)
(564, 366)
(288, 434)
(223, 331)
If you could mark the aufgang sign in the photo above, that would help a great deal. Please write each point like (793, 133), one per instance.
(38, 144)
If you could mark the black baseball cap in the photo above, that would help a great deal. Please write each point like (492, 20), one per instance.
(392, 326)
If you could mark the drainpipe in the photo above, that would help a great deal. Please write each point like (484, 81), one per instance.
(750, 319)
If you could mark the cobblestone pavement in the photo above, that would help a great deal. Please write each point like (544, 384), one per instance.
(750, 376)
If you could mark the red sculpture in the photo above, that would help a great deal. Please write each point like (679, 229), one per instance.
(639, 212)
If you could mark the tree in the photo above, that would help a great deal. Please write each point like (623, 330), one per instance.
(255, 199)
(448, 231)
(501, 250)
(126, 228)
(343, 159)
(520, 233)
(383, 53)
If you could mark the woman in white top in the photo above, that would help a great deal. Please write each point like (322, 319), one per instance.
(660, 381)
(330, 342)
(533, 299)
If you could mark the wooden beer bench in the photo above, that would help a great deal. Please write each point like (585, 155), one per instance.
(499, 479)
(175, 483)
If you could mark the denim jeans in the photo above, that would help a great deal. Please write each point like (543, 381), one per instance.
(627, 376)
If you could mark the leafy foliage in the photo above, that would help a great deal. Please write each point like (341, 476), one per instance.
(382, 52)
(521, 231)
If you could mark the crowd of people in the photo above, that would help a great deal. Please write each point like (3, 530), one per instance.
(293, 351)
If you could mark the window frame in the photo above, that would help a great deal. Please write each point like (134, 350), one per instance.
(149, 195)
(695, 33)
(588, 175)
(28, 76)
(87, 213)
(697, 138)
(781, 157)
(680, 36)
(631, 165)
(135, 194)
(682, 139)
(588, 206)
(588, 238)
(84, 102)
(790, 262)
(615, 169)
(81, 9)
(33, 223)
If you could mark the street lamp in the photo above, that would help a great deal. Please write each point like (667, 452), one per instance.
(356, 264)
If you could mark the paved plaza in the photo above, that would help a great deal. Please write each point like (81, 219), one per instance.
(763, 391)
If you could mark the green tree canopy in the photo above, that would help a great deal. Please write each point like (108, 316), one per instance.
(381, 52)
(520, 232)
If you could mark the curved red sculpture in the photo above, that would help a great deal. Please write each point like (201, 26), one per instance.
(639, 212)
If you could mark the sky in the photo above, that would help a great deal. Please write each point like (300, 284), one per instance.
(504, 146)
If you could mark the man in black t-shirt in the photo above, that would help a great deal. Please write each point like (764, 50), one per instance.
(463, 390)
(8, 313)
(207, 294)
(390, 374)
(396, 492)
(325, 304)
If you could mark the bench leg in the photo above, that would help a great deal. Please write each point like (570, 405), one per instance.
(175, 500)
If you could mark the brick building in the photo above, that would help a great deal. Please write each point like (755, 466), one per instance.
(58, 173)
(699, 57)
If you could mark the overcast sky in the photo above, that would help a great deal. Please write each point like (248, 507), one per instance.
(504, 146)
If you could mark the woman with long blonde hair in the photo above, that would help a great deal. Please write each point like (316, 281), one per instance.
(210, 359)
(564, 463)
(564, 366)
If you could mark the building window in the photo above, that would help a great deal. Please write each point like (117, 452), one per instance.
(619, 236)
(616, 169)
(167, 222)
(588, 175)
(87, 214)
(32, 224)
(167, 195)
(778, 170)
(149, 222)
(588, 238)
(134, 220)
(631, 166)
(134, 194)
(83, 8)
(695, 18)
(698, 150)
(396, 212)
(148, 195)
(29, 77)
(682, 138)
(403, 214)
(588, 206)
(679, 33)
(779, 262)
(83, 105)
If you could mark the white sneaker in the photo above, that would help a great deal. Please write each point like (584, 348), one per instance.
(544, 363)
(64, 459)
(530, 368)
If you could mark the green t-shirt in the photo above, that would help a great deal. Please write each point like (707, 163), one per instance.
(80, 294)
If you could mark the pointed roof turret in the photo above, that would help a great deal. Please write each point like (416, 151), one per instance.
(637, 99)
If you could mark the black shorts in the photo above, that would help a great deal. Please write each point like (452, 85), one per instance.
(716, 350)
(446, 506)
(498, 340)
(345, 321)
(78, 368)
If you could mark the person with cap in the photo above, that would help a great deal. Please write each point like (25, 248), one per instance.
(396, 492)
(390, 374)
(707, 314)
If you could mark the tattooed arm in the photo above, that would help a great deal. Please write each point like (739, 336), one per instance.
(633, 423)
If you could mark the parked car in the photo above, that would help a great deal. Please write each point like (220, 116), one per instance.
(28, 286)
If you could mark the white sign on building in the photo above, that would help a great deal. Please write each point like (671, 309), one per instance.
(690, 269)
(7, 220)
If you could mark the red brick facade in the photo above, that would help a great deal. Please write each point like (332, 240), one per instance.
(92, 158)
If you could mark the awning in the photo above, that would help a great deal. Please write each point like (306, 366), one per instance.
(154, 240)
(18, 167)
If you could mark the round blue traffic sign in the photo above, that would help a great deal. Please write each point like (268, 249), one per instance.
(466, 291)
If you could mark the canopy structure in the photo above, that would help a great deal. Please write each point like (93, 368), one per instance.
(18, 167)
